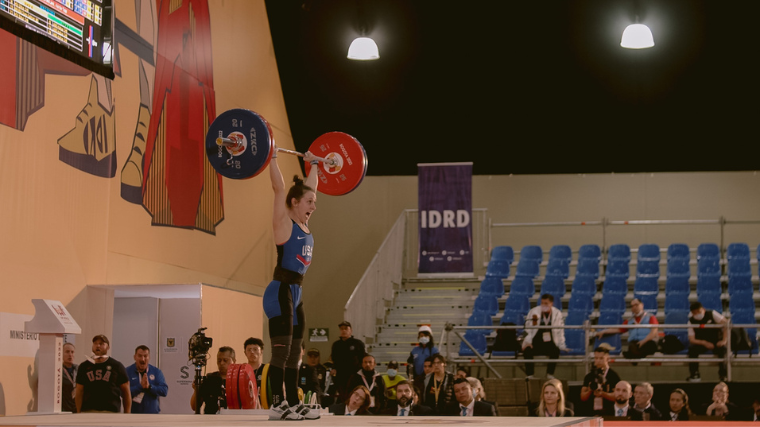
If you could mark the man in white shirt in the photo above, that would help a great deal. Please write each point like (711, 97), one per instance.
(622, 398)
(466, 405)
(547, 342)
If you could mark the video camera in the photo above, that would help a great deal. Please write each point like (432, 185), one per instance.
(198, 347)
(599, 380)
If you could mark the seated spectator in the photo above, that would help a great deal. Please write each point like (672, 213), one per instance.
(372, 380)
(600, 382)
(679, 405)
(427, 367)
(553, 401)
(756, 410)
(642, 342)
(438, 388)
(419, 354)
(405, 404)
(622, 395)
(643, 409)
(706, 339)
(356, 404)
(466, 405)
(391, 379)
(547, 342)
(720, 406)
(477, 388)
(461, 372)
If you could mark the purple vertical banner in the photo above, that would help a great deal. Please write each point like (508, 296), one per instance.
(445, 212)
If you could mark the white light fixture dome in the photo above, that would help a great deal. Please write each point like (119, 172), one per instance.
(637, 36)
(363, 48)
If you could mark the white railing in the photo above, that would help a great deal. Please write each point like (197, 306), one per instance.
(367, 302)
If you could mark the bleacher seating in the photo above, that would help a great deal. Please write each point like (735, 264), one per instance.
(648, 269)
(555, 286)
(477, 339)
(561, 252)
(619, 252)
(497, 268)
(532, 252)
(676, 302)
(678, 318)
(558, 267)
(740, 303)
(518, 304)
(618, 268)
(503, 253)
(737, 251)
(615, 285)
(588, 266)
(614, 303)
(646, 284)
(678, 267)
(590, 252)
(740, 285)
(486, 303)
(711, 301)
(492, 286)
(739, 267)
(479, 318)
(678, 251)
(527, 268)
(584, 284)
(513, 317)
(649, 300)
(677, 285)
(708, 266)
(581, 303)
(522, 286)
(747, 318)
(575, 339)
(613, 340)
(708, 251)
(708, 284)
(648, 252)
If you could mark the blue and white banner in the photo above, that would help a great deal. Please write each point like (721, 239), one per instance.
(445, 212)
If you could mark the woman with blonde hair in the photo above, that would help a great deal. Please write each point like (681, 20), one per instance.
(553, 400)
(477, 388)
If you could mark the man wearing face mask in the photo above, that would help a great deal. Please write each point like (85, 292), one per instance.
(547, 342)
(421, 352)
(642, 342)
(706, 339)
(390, 382)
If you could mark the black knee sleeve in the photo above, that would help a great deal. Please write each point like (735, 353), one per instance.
(281, 348)
(295, 354)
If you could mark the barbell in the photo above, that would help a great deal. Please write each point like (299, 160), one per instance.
(240, 145)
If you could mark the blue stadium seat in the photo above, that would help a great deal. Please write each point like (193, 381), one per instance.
(588, 266)
(620, 252)
(477, 339)
(513, 317)
(618, 268)
(711, 302)
(678, 285)
(646, 284)
(612, 303)
(737, 251)
(613, 340)
(708, 266)
(517, 303)
(740, 303)
(532, 252)
(590, 252)
(708, 251)
(679, 267)
(676, 302)
(492, 286)
(648, 252)
(708, 284)
(583, 284)
(648, 269)
(527, 268)
(615, 285)
(678, 251)
(740, 285)
(488, 304)
(522, 286)
(498, 269)
(562, 252)
(739, 267)
(558, 267)
(678, 318)
(649, 300)
(575, 339)
(554, 285)
(747, 318)
(478, 318)
(503, 253)
(581, 303)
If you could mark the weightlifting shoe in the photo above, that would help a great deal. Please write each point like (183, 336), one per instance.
(309, 412)
(284, 412)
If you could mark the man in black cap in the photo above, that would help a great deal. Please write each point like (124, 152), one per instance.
(347, 354)
(311, 375)
(102, 381)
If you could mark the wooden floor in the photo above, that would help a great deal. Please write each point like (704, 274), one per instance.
(141, 420)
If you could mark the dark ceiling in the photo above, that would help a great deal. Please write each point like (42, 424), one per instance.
(526, 87)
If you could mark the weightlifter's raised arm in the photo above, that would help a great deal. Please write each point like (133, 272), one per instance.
(311, 180)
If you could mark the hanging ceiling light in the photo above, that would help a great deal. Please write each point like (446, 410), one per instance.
(637, 36)
(363, 49)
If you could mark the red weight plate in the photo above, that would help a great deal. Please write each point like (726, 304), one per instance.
(351, 160)
(247, 387)
(231, 387)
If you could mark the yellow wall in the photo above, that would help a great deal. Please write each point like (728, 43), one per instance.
(231, 318)
(62, 228)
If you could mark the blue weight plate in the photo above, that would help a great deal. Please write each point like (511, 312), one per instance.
(256, 151)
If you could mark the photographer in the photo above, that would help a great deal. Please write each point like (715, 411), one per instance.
(599, 384)
(213, 387)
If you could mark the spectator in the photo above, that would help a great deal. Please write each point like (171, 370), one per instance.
(553, 401)
(391, 379)
(438, 387)
(371, 379)
(644, 410)
(419, 380)
(146, 383)
(312, 375)
(550, 341)
(720, 406)
(461, 372)
(679, 405)
(600, 382)
(68, 403)
(102, 383)
(254, 349)
(466, 405)
(642, 342)
(347, 354)
(622, 395)
(212, 393)
(477, 388)
(756, 410)
(356, 404)
(706, 339)
(405, 405)
(426, 348)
